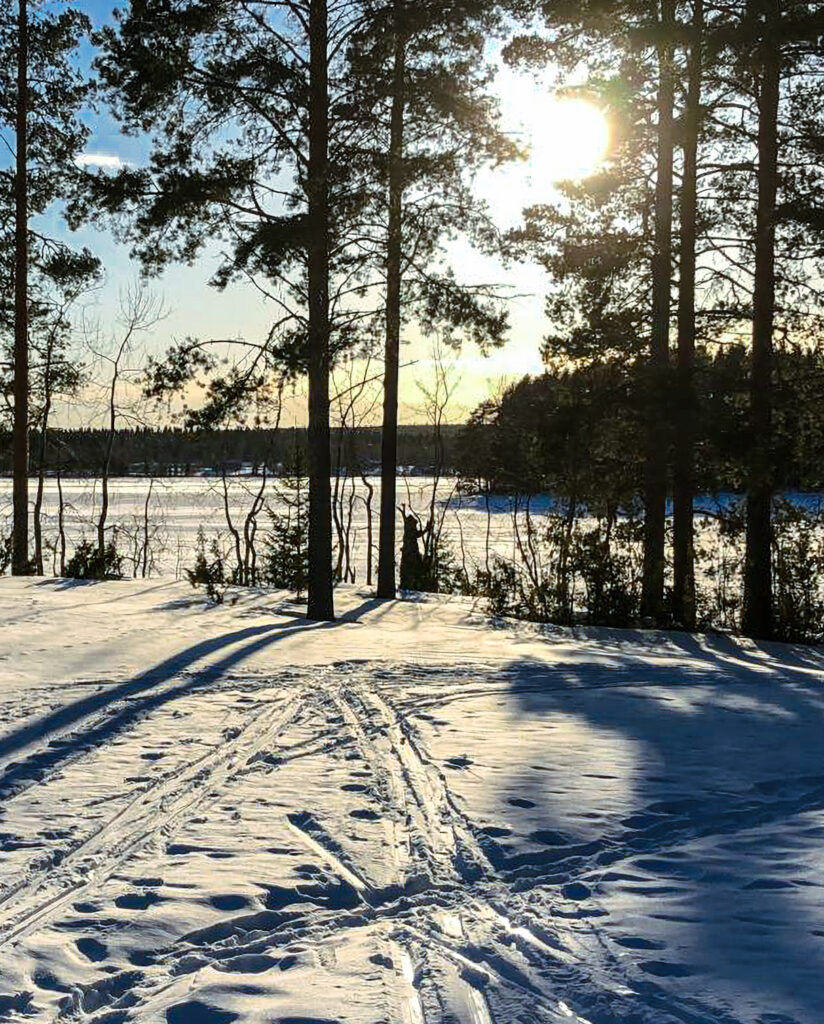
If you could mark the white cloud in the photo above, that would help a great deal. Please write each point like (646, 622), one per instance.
(98, 160)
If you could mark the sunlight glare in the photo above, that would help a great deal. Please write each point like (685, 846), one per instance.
(567, 137)
(569, 140)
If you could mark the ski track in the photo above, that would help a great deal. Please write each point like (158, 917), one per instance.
(455, 923)
(47, 888)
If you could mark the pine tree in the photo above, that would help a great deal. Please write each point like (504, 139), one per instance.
(779, 61)
(683, 477)
(423, 77)
(658, 432)
(41, 96)
(253, 139)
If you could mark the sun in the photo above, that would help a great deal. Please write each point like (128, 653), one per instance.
(565, 137)
(568, 138)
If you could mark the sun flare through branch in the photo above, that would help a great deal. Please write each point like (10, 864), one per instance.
(565, 137)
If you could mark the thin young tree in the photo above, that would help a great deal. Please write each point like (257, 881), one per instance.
(120, 366)
(683, 476)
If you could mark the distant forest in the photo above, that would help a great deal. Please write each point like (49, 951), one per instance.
(171, 451)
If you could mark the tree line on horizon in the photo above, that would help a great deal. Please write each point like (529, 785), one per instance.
(176, 451)
(328, 147)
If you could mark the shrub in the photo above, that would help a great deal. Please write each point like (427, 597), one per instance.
(798, 570)
(209, 572)
(5, 553)
(286, 552)
(603, 560)
(89, 563)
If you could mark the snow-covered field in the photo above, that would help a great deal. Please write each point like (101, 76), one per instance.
(412, 815)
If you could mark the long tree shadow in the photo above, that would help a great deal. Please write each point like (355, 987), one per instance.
(725, 785)
(148, 689)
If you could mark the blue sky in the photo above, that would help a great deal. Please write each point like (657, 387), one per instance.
(196, 309)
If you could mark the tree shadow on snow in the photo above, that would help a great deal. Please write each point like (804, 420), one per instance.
(143, 693)
(719, 753)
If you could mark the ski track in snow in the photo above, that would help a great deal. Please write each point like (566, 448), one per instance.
(307, 844)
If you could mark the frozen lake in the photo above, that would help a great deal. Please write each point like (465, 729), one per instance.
(179, 506)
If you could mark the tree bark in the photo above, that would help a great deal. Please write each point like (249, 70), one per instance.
(389, 434)
(20, 427)
(757, 613)
(655, 476)
(683, 478)
(320, 596)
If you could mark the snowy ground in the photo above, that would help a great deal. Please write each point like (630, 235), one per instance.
(412, 815)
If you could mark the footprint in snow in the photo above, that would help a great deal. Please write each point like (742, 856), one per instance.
(48, 981)
(138, 900)
(92, 949)
(549, 837)
(195, 1012)
(229, 901)
(87, 908)
(638, 942)
(494, 832)
(576, 891)
(661, 969)
(248, 963)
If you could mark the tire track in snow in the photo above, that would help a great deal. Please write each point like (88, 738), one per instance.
(161, 808)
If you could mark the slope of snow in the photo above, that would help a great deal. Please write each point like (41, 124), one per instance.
(411, 815)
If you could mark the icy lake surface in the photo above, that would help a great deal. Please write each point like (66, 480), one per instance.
(412, 815)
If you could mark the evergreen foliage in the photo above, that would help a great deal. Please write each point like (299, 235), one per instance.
(89, 563)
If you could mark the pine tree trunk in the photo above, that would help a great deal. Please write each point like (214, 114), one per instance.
(655, 482)
(20, 428)
(757, 614)
(389, 434)
(683, 478)
(320, 598)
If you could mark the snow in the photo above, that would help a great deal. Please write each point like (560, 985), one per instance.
(214, 814)
(179, 506)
